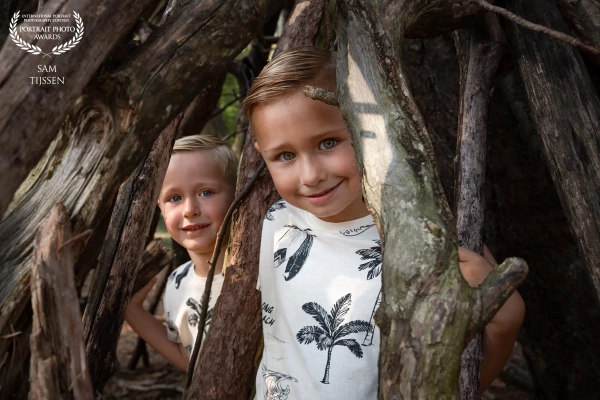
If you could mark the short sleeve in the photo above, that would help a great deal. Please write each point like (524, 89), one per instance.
(170, 314)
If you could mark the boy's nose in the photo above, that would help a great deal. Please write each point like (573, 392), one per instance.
(191, 208)
(312, 171)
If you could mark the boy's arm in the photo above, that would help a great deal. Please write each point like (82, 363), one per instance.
(152, 330)
(500, 334)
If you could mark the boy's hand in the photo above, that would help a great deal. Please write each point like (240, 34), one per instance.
(474, 267)
(137, 299)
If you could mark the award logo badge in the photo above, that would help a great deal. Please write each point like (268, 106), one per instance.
(46, 33)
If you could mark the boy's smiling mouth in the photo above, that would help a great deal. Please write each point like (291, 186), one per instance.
(194, 227)
(323, 196)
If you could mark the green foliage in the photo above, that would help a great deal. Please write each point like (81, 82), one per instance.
(230, 91)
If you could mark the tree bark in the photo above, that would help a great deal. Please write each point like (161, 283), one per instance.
(426, 306)
(119, 259)
(154, 259)
(58, 364)
(478, 60)
(226, 367)
(33, 116)
(111, 128)
(566, 111)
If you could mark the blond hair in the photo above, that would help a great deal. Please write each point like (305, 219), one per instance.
(222, 152)
(287, 72)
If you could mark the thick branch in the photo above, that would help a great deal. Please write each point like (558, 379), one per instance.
(119, 260)
(566, 111)
(499, 285)
(58, 363)
(154, 258)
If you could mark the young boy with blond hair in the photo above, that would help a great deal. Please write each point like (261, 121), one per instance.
(320, 262)
(198, 188)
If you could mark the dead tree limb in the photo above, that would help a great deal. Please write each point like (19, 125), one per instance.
(478, 60)
(26, 119)
(566, 111)
(58, 363)
(226, 367)
(119, 259)
(154, 258)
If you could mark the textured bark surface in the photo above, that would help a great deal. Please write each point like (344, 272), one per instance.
(478, 60)
(107, 134)
(426, 304)
(58, 362)
(524, 217)
(226, 365)
(154, 258)
(566, 111)
(119, 259)
(26, 111)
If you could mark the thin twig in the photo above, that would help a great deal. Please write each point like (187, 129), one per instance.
(75, 238)
(220, 111)
(563, 37)
(324, 95)
(211, 271)
(232, 134)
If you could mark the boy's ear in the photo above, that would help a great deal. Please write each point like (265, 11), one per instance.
(257, 147)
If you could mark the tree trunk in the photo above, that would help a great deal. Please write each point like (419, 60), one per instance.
(25, 119)
(58, 363)
(226, 367)
(478, 60)
(105, 137)
(566, 111)
(403, 193)
(119, 259)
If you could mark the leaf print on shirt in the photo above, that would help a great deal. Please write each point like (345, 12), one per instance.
(180, 276)
(329, 332)
(279, 205)
(273, 382)
(298, 242)
(374, 256)
(194, 317)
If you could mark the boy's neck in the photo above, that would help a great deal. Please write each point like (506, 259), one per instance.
(201, 262)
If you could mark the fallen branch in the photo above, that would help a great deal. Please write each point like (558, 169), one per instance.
(563, 37)
(499, 285)
(58, 362)
(211, 271)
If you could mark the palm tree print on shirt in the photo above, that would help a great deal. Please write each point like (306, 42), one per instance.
(330, 331)
(298, 242)
(273, 382)
(374, 266)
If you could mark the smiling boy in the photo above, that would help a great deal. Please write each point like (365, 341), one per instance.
(197, 191)
(320, 263)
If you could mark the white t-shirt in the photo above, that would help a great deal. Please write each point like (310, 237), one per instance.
(320, 284)
(183, 302)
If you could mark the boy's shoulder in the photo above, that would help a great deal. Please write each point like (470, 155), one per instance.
(180, 273)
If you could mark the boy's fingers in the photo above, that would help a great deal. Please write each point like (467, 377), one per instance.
(487, 254)
(466, 255)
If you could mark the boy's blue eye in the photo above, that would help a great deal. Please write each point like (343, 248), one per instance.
(287, 156)
(206, 193)
(327, 144)
(175, 198)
